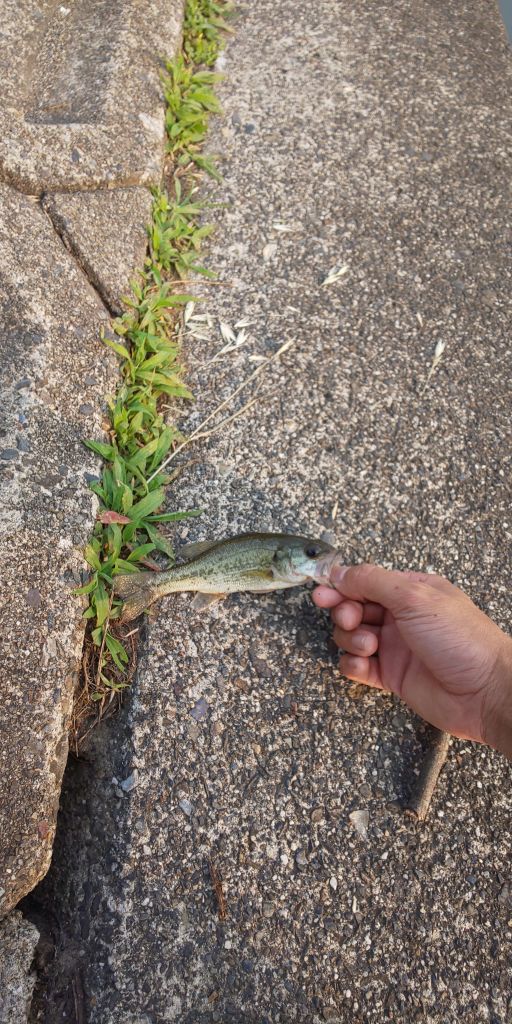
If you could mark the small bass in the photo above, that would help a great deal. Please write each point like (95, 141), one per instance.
(255, 562)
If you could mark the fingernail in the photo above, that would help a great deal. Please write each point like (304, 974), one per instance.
(360, 640)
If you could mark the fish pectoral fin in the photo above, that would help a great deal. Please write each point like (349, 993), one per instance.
(203, 601)
(190, 551)
(259, 574)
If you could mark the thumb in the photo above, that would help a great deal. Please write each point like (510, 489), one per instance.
(394, 590)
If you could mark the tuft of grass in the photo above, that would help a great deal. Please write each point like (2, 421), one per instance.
(190, 102)
(175, 235)
(127, 530)
(204, 25)
(131, 490)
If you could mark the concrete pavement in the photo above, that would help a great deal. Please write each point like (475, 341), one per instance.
(379, 142)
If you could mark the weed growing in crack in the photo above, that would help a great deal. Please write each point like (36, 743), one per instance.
(190, 101)
(204, 25)
(175, 235)
(131, 490)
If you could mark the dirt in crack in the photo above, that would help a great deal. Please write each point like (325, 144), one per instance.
(68, 906)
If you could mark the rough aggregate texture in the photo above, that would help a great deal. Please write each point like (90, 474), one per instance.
(82, 105)
(51, 360)
(232, 846)
(18, 939)
(82, 108)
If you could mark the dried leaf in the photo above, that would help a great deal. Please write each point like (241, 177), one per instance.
(227, 332)
(335, 274)
(438, 355)
(438, 351)
(189, 309)
(109, 516)
(198, 335)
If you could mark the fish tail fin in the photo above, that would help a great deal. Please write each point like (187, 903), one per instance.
(137, 590)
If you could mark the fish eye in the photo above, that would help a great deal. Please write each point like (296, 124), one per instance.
(312, 551)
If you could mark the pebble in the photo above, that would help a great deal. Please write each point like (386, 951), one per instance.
(8, 454)
(269, 250)
(333, 882)
(200, 709)
(267, 909)
(328, 537)
(330, 1013)
(186, 807)
(130, 782)
(359, 820)
(317, 815)
(33, 598)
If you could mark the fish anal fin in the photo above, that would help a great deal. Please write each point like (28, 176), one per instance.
(203, 601)
(190, 551)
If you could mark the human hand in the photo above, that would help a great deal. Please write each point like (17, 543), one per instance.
(420, 637)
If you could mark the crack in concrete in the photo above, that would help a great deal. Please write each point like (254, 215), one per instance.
(131, 181)
(82, 265)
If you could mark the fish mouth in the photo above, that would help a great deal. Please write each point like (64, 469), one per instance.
(323, 568)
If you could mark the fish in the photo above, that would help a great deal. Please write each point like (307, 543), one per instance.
(254, 562)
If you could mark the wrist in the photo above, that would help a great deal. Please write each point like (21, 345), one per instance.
(497, 711)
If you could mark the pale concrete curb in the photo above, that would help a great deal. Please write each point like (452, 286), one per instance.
(80, 142)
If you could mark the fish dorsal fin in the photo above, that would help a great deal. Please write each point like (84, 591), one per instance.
(190, 551)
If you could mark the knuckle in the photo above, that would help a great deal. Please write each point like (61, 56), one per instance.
(361, 574)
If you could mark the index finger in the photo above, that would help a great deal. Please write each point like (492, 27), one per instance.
(325, 597)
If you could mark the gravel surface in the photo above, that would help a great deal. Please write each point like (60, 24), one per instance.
(232, 846)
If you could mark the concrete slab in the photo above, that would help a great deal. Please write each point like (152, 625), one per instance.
(18, 940)
(378, 143)
(106, 232)
(54, 376)
(82, 104)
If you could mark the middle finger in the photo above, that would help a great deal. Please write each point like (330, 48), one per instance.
(351, 614)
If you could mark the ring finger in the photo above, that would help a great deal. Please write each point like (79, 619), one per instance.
(363, 641)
